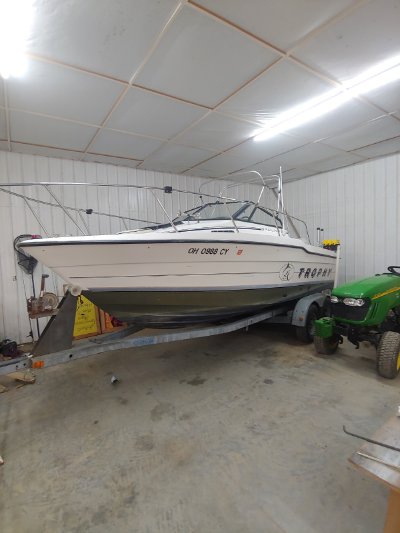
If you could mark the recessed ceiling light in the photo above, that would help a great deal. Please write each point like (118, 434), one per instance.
(16, 17)
(377, 76)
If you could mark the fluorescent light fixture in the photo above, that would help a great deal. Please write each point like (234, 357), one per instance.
(376, 81)
(16, 18)
(307, 115)
(377, 76)
(376, 71)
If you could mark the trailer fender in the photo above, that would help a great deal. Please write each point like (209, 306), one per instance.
(300, 312)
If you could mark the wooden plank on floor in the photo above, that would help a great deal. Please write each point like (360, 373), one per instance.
(389, 433)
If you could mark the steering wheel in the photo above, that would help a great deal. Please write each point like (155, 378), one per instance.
(393, 271)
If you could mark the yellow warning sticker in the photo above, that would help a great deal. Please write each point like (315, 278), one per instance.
(86, 318)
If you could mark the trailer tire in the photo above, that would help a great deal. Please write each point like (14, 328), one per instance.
(306, 333)
(388, 355)
(326, 345)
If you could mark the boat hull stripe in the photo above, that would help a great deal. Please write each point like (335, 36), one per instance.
(175, 241)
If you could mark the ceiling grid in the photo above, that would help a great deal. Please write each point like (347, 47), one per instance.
(188, 89)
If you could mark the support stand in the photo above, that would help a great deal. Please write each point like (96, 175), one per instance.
(58, 333)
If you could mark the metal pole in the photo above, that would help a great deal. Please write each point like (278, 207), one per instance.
(289, 218)
(114, 185)
(165, 211)
(260, 195)
(231, 217)
(335, 283)
(64, 209)
(276, 224)
(50, 204)
(281, 206)
(36, 216)
(83, 222)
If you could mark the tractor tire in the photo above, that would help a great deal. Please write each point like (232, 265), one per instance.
(388, 355)
(306, 333)
(326, 346)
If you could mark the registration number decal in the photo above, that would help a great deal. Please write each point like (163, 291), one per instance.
(208, 251)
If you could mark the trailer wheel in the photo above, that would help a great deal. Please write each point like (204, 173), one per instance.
(326, 345)
(306, 333)
(388, 355)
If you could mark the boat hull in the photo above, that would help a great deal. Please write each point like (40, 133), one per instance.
(173, 309)
(184, 265)
(169, 280)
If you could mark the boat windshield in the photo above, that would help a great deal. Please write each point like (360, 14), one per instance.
(240, 211)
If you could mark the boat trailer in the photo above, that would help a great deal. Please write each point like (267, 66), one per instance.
(55, 345)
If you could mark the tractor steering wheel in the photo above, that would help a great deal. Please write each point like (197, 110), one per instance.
(393, 271)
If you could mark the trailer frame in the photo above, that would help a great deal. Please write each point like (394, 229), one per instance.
(294, 313)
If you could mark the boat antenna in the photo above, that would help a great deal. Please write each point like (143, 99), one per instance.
(281, 206)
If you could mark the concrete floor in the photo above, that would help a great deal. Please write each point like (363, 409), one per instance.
(238, 433)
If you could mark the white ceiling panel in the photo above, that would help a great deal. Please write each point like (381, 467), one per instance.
(120, 161)
(3, 126)
(152, 114)
(253, 151)
(204, 84)
(197, 173)
(391, 146)
(300, 157)
(203, 61)
(217, 132)
(297, 174)
(306, 155)
(387, 97)
(355, 43)
(220, 165)
(53, 90)
(279, 22)
(269, 167)
(369, 133)
(284, 86)
(119, 144)
(43, 150)
(175, 158)
(346, 117)
(337, 161)
(112, 38)
(34, 129)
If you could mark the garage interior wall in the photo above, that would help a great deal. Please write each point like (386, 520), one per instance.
(16, 218)
(358, 205)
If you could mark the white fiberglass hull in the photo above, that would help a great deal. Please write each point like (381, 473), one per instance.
(168, 278)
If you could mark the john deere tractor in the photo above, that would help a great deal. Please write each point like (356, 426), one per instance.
(365, 310)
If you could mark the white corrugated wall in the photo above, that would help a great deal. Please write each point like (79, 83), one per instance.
(16, 218)
(358, 205)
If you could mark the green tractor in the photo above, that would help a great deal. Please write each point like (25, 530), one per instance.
(365, 310)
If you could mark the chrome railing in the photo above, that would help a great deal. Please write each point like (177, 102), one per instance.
(282, 220)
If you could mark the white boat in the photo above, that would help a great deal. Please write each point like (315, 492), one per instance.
(222, 259)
